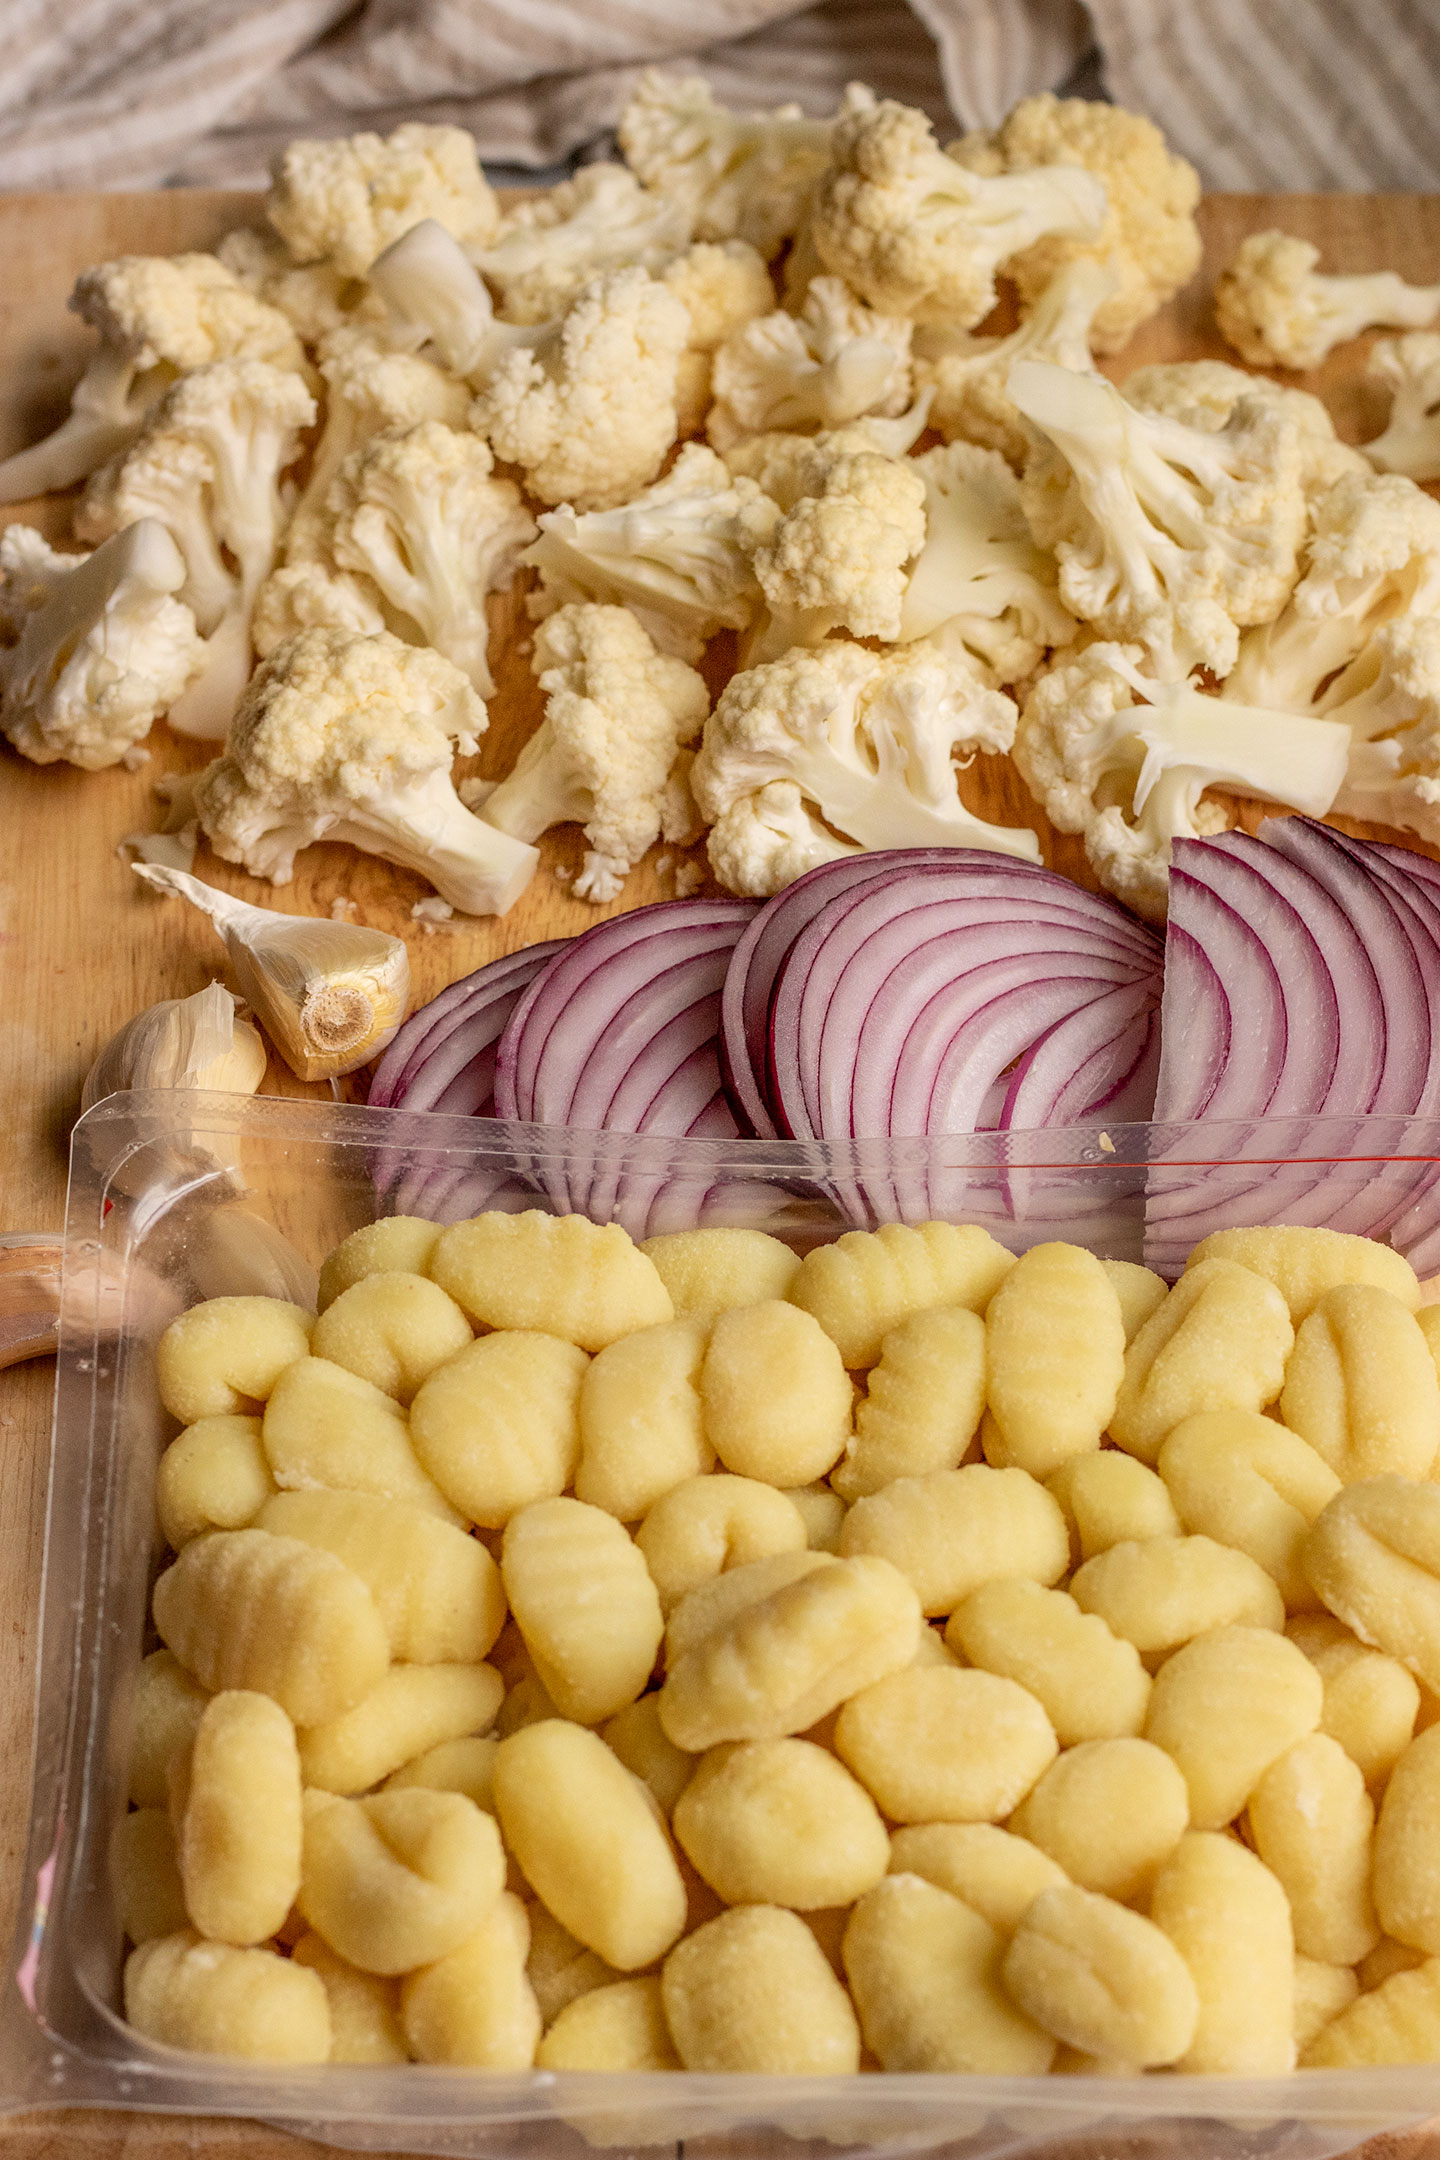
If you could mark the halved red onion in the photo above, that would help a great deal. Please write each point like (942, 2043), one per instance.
(618, 1034)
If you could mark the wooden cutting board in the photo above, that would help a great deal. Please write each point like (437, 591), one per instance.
(83, 946)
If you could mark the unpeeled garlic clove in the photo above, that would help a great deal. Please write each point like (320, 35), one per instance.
(329, 994)
(194, 1042)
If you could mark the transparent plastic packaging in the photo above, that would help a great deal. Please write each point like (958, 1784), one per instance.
(178, 1197)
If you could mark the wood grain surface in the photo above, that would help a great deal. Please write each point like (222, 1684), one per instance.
(83, 946)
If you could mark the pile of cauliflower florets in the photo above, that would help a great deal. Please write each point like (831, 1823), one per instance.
(734, 386)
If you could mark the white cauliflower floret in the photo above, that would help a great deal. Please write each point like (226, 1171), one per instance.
(832, 363)
(1164, 533)
(871, 740)
(1374, 557)
(601, 220)
(313, 595)
(617, 715)
(344, 200)
(675, 555)
(590, 413)
(745, 176)
(1411, 441)
(368, 388)
(1393, 777)
(916, 234)
(836, 559)
(157, 315)
(1204, 393)
(313, 297)
(1277, 311)
(352, 738)
(970, 375)
(96, 646)
(208, 466)
(979, 584)
(766, 840)
(724, 285)
(1125, 761)
(419, 515)
(1149, 239)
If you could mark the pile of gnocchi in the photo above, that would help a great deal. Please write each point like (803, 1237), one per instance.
(688, 1656)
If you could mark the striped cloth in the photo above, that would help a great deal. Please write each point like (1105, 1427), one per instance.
(1259, 94)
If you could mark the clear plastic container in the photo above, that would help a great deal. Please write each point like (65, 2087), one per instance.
(178, 1197)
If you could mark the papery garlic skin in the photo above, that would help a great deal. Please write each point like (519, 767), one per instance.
(193, 1042)
(329, 994)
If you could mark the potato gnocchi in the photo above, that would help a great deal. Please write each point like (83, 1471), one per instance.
(546, 1678)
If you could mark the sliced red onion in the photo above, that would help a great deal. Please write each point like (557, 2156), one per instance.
(618, 1033)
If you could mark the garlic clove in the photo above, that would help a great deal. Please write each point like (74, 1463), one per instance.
(329, 994)
(194, 1042)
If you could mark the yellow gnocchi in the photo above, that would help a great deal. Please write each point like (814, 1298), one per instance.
(225, 1356)
(1371, 1701)
(326, 1427)
(938, 1744)
(780, 1822)
(642, 1429)
(1108, 1813)
(708, 1272)
(777, 1400)
(1225, 1708)
(1055, 1358)
(1406, 1880)
(559, 1275)
(396, 1242)
(215, 1476)
(364, 2009)
(868, 1281)
(220, 2000)
(412, 1709)
(474, 2006)
(1361, 1386)
(1246, 1482)
(1304, 1263)
(1218, 1342)
(1373, 1555)
(1089, 1681)
(1111, 1499)
(498, 1426)
(924, 1971)
(168, 1707)
(955, 1529)
(1163, 1592)
(620, 2027)
(709, 1524)
(753, 1991)
(1102, 1978)
(239, 1842)
(393, 1329)
(1228, 1917)
(583, 1600)
(400, 1879)
(996, 1872)
(923, 1405)
(1312, 1823)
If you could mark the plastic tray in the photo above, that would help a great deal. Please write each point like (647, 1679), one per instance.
(177, 1197)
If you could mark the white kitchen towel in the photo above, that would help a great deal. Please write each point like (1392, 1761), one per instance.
(1262, 94)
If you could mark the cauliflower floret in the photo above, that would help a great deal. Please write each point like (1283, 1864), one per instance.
(351, 738)
(1168, 534)
(1149, 238)
(979, 584)
(916, 234)
(1204, 393)
(418, 514)
(313, 297)
(766, 840)
(1411, 441)
(969, 375)
(675, 555)
(601, 220)
(157, 315)
(312, 595)
(1125, 761)
(1393, 777)
(832, 363)
(208, 466)
(344, 200)
(96, 646)
(836, 559)
(1374, 557)
(724, 285)
(745, 176)
(871, 740)
(1277, 311)
(590, 413)
(368, 388)
(617, 714)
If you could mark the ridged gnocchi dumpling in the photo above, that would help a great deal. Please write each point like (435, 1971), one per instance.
(239, 1841)
(924, 1972)
(1245, 1481)
(781, 1822)
(243, 1609)
(560, 1274)
(474, 2006)
(225, 1356)
(1361, 1386)
(777, 1399)
(1218, 1342)
(1055, 1358)
(955, 1529)
(868, 1281)
(583, 1600)
(923, 1405)
(753, 1991)
(1228, 1917)
(215, 1476)
(411, 1709)
(710, 1524)
(438, 1591)
(393, 1329)
(1090, 1682)
(219, 2000)
(326, 1427)
(400, 1879)
(1305, 1263)
(396, 1241)
(498, 1426)
(642, 1429)
(708, 1271)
